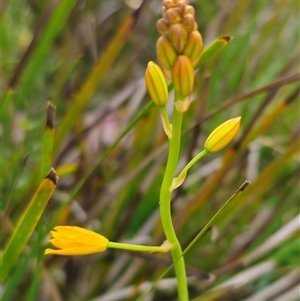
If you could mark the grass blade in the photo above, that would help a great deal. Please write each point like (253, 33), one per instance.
(27, 224)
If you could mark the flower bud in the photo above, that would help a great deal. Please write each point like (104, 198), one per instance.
(183, 76)
(166, 55)
(194, 47)
(178, 37)
(168, 3)
(188, 23)
(162, 27)
(180, 7)
(189, 10)
(222, 135)
(156, 84)
(172, 16)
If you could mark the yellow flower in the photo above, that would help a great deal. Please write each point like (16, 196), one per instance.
(73, 240)
(222, 135)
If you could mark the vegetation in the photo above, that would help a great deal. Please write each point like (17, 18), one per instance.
(73, 97)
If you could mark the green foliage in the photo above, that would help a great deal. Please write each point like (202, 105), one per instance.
(88, 59)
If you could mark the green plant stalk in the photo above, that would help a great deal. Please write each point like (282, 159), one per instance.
(137, 248)
(199, 235)
(192, 162)
(165, 206)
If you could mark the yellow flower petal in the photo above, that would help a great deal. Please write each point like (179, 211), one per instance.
(73, 240)
(73, 251)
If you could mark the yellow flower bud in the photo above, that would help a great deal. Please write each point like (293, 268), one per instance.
(183, 77)
(172, 16)
(166, 55)
(162, 27)
(169, 3)
(177, 36)
(194, 47)
(222, 135)
(188, 23)
(156, 84)
(189, 10)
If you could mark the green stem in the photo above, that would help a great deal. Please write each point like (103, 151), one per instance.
(138, 248)
(165, 206)
(192, 162)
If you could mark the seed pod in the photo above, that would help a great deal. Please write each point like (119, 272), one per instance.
(156, 84)
(222, 135)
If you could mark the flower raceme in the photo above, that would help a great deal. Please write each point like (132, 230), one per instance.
(222, 135)
(179, 35)
(72, 240)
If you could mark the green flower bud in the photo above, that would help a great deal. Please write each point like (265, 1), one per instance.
(222, 135)
(177, 36)
(194, 47)
(166, 55)
(183, 77)
(156, 84)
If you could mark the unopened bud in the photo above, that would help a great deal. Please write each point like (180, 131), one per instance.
(172, 16)
(189, 10)
(194, 47)
(183, 77)
(162, 27)
(180, 7)
(169, 3)
(178, 37)
(222, 135)
(156, 84)
(188, 23)
(166, 55)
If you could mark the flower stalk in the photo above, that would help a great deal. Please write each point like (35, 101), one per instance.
(74, 241)
(165, 206)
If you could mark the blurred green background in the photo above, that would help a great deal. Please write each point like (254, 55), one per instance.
(88, 58)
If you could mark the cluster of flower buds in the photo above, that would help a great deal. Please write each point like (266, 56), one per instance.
(180, 45)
